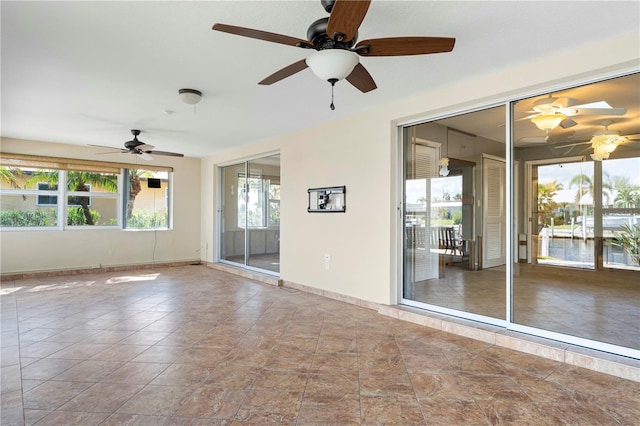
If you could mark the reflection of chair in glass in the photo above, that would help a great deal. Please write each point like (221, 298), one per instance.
(448, 242)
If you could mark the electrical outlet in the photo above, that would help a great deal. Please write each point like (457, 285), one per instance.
(327, 261)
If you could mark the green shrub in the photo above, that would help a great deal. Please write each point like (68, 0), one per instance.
(629, 240)
(22, 218)
(143, 219)
(75, 216)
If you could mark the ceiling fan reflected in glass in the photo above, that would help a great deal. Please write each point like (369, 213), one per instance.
(603, 142)
(550, 112)
(337, 56)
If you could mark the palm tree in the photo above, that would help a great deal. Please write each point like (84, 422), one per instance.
(135, 186)
(78, 181)
(628, 195)
(10, 176)
(585, 185)
(546, 192)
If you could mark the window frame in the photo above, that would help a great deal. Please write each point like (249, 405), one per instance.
(64, 165)
(265, 190)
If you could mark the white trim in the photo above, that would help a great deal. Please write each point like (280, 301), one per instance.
(456, 313)
(574, 340)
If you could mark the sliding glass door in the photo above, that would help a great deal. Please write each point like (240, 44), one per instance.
(455, 216)
(561, 259)
(250, 214)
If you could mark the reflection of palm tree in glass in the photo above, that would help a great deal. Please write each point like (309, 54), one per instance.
(585, 185)
(628, 195)
(546, 205)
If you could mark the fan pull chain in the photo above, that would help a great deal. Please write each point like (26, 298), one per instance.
(333, 82)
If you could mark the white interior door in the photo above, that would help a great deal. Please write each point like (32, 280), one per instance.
(494, 211)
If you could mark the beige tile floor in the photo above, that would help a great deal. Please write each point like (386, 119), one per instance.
(194, 346)
(597, 305)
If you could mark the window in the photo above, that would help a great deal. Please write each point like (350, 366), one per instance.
(31, 189)
(47, 200)
(27, 202)
(274, 204)
(147, 196)
(261, 197)
(52, 200)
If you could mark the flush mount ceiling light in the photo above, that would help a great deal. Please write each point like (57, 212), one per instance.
(190, 96)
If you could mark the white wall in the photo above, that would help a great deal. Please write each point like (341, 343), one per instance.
(38, 250)
(361, 152)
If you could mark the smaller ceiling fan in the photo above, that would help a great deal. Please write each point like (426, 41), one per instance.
(603, 142)
(550, 112)
(137, 147)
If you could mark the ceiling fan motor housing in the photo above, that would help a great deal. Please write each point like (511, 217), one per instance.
(327, 5)
(132, 144)
(317, 34)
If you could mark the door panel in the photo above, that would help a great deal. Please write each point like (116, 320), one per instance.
(495, 219)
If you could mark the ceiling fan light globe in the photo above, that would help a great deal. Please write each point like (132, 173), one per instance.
(332, 64)
(605, 143)
(548, 121)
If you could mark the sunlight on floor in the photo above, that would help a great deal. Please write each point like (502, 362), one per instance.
(9, 290)
(72, 284)
(129, 279)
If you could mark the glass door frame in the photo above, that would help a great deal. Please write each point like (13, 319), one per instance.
(511, 234)
(402, 130)
(218, 232)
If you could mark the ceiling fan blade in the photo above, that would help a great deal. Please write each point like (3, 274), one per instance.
(345, 19)
(145, 156)
(401, 46)
(534, 139)
(145, 147)
(170, 154)
(566, 145)
(571, 111)
(285, 72)
(263, 35)
(528, 117)
(361, 79)
(567, 123)
(109, 147)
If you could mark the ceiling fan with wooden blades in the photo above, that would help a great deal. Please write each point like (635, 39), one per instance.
(336, 55)
(136, 147)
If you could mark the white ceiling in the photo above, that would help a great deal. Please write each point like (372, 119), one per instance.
(88, 72)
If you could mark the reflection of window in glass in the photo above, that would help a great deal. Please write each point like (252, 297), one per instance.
(274, 204)
(621, 214)
(146, 204)
(446, 200)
